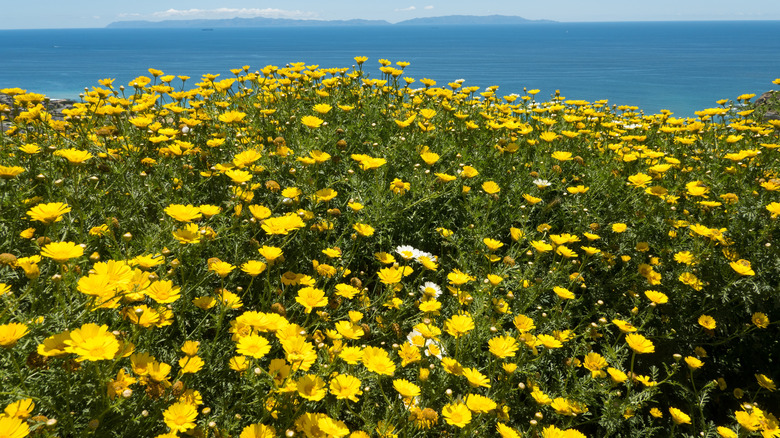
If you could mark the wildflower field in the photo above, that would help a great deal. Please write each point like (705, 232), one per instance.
(313, 252)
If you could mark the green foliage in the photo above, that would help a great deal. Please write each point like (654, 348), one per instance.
(558, 227)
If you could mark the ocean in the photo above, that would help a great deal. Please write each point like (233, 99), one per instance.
(678, 66)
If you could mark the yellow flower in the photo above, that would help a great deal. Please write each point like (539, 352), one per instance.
(311, 122)
(399, 187)
(492, 244)
(679, 417)
(459, 325)
(697, 188)
(594, 362)
(549, 137)
(282, 225)
(457, 278)
(325, 195)
(180, 417)
(322, 108)
(189, 234)
(253, 267)
(8, 172)
(566, 407)
(503, 346)
(563, 293)
(760, 320)
(445, 177)
(364, 230)
(540, 397)
(685, 257)
(691, 280)
(253, 345)
(367, 162)
(311, 387)
(468, 172)
(345, 386)
(92, 342)
(725, 432)
(223, 269)
(523, 323)
(310, 297)
(62, 251)
(74, 156)
(639, 343)
(406, 388)
(707, 322)
(48, 213)
(624, 326)
(490, 187)
(258, 430)
(392, 275)
(238, 176)
(549, 341)
(639, 180)
(774, 209)
(475, 378)
(617, 375)
(480, 404)
(378, 361)
(163, 292)
(456, 414)
(10, 333)
(13, 427)
(20, 409)
(183, 213)
(533, 200)
(765, 382)
(619, 228)
(430, 158)
(506, 431)
(742, 267)
(270, 253)
(347, 291)
(191, 364)
(541, 246)
(693, 363)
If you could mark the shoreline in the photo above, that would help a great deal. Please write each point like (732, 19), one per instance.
(53, 107)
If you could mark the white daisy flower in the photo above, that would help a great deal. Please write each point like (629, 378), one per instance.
(431, 346)
(407, 252)
(430, 289)
(542, 183)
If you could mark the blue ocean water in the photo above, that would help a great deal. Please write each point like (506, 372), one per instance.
(679, 66)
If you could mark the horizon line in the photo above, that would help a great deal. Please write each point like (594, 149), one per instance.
(540, 21)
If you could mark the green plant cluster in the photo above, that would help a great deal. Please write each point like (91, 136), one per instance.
(311, 252)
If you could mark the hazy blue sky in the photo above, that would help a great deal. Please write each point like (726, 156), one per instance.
(98, 13)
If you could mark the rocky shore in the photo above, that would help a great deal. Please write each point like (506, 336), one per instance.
(768, 105)
(53, 106)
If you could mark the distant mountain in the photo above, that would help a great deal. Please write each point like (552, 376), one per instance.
(461, 20)
(450, 20)
(241, 22)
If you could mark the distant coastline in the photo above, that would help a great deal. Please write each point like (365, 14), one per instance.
(449, 20)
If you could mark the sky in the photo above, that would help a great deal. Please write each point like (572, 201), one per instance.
(50, 14)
